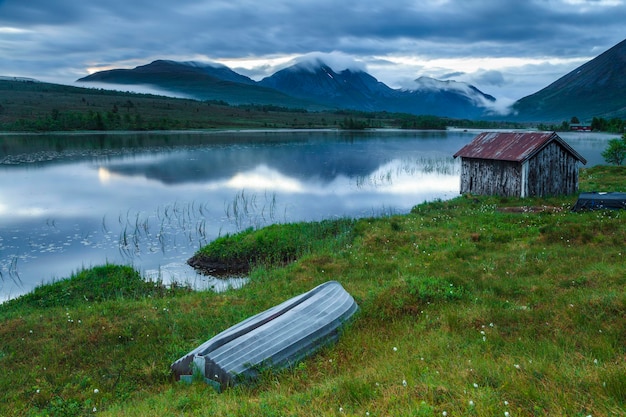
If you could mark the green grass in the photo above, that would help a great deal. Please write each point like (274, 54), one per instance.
(101, 283)
(273, 245)
(467, 307)
(603, 178)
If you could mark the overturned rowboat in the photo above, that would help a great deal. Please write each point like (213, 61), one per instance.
(600, 201)
(274, 339)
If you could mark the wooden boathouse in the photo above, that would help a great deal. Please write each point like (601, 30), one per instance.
(519, 164)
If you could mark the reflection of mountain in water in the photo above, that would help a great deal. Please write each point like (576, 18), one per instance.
(310, 157)
(210, 164)
(173, 158)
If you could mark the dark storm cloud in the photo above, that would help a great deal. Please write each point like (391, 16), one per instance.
(66, 37)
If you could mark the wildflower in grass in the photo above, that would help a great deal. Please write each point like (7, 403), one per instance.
(404, 383)
(471, 403)
(517, 366)
(444, 414)
(506, 414)
(96, 390)
(475, 385)
(395, 349)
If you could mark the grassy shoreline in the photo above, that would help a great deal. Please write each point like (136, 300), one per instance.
(466, 308)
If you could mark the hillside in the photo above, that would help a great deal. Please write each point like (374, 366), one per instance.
(29, 105)
(37, 106)
(595, 89)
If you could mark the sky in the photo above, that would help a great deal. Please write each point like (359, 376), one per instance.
(506, 48)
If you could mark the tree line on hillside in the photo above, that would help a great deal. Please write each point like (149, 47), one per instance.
(90, 120)
(614, 125)
(598, 124)
(126, 116)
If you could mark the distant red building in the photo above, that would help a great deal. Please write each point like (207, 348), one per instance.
(580, 127)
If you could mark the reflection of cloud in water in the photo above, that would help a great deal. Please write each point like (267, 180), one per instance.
(396, 177)
(265, 178)
(104, 175)
(402, 176)
(180, 273)
(31, 212)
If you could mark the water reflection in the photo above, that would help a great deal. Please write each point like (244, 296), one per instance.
(151, 200)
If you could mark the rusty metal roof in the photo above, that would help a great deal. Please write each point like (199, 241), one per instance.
(515, 147)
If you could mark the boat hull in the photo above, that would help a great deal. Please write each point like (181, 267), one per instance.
(274, 339)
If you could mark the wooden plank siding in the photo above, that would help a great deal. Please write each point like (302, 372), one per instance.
(553, 171)
(490, 177)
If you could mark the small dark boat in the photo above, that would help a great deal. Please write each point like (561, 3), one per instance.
(600, 201)
(274, 339)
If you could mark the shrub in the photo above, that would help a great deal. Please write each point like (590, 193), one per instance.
(615, 153)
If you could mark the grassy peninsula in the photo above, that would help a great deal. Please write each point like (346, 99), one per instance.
(477, 306)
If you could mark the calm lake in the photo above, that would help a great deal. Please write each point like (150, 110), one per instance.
(151, 200)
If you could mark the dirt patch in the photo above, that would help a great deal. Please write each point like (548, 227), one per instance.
(530, 209)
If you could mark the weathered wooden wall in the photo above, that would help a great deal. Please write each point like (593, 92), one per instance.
(553, 171)
(490, 177)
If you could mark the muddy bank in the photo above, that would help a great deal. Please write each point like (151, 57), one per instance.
(216, 267)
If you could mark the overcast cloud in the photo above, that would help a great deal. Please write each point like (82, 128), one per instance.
(506, 48)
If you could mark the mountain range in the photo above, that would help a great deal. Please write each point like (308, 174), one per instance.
(595, 89)
(310, 86)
